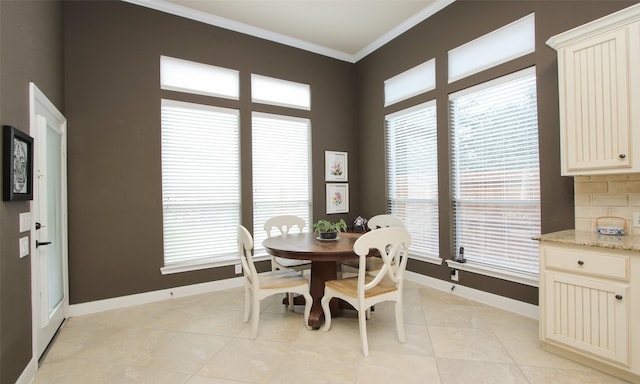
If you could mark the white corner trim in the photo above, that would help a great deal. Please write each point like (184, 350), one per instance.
(511, 305)
(29, 373)
(150, 297)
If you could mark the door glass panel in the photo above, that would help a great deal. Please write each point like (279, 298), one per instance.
(53, 176)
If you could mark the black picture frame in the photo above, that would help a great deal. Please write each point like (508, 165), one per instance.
(17, 164)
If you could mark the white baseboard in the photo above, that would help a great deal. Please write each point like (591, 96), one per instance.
(29, 372)
(498, 301)
(515, 306)
(151, 297)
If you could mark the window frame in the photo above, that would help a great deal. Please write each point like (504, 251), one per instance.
(416, 224)
(523, 277)
(169, 189)
(258, 226)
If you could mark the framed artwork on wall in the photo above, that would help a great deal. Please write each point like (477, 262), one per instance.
(337, 198)
(17, 172)
(335, 165)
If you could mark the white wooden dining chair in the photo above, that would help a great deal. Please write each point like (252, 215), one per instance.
(258, 286)
(367, 289)
(373, 263)
(282, 225)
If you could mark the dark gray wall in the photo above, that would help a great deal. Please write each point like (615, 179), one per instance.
(111, 72)
(31, 51)
(112, 55)
(455, 25)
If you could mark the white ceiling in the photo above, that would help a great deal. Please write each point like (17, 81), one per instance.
(346, 30)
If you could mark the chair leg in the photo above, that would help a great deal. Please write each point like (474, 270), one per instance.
(308, 302)
(255, 316)
(247, 303)
(327, 311)
(290, 297)
(400, 322)
(362, 319)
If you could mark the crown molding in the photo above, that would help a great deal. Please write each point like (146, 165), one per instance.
(203, 17)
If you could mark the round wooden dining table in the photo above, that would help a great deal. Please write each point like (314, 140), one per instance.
(324, 256)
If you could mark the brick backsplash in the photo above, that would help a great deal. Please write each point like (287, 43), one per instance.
(613, 195)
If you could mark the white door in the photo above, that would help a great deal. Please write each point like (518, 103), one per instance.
(49, 223)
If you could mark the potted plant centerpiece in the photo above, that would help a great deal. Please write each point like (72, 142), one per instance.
(329, 231)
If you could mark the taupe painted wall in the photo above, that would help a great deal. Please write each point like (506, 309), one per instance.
(113, 107)
(30, 51)
(110, 96)
(457, 24)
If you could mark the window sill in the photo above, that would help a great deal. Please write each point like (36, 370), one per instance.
(427, 259)
(188, 267)
(521, 278)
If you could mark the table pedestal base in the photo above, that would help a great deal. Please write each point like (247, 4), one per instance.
(321, 271)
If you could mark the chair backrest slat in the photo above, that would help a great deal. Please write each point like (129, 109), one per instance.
(392, 243)
(245, 248)
(284, 224)
(385, 220)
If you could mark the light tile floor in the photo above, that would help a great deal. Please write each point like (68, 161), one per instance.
(202, 340)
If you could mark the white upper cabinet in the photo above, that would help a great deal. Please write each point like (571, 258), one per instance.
(599, 85)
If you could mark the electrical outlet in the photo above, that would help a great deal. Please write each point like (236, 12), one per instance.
(454, 274)
(238, 269)
(636, 220)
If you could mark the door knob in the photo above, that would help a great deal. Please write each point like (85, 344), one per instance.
(38, 243)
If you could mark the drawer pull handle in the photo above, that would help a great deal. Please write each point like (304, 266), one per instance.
(580, 262)
(619, 296)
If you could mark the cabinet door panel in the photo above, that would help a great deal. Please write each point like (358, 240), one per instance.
(585, 314)
(597, 96)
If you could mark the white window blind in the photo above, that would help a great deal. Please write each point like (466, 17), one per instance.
(281, 170)
(495, 172)
(203, 79)
(412, 171)
(507, 43)
(200, 183)
(268, 90)
(412, 82)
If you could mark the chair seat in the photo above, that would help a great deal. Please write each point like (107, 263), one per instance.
(291, 263)
(349, 286)
(364, 291)
(281, 279)
(373, 264)
(258, 286)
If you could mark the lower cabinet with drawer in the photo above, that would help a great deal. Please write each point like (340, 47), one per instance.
(590, 306)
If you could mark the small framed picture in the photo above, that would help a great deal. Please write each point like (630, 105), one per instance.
(17, 172)
(335, 165)
(337, 198)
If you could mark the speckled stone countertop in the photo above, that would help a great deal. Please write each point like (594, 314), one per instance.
(592, 239)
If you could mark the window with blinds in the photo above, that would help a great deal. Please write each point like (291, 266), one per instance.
(200, 183)
(412, 82)
(281, 148)
(269, 90)
(198, 78)
(495, 173)
(412, 171)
